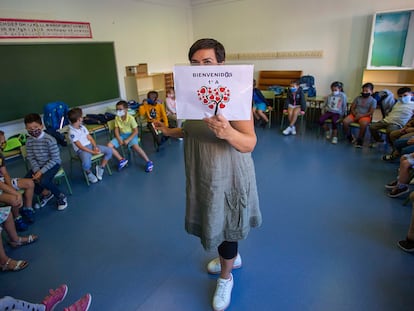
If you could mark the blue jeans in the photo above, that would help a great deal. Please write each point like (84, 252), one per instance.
(86, 157)
(46, 181)
(402, 147)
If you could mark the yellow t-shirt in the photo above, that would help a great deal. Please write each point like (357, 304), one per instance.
(127, 126)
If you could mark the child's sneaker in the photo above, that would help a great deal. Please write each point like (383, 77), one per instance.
(149, 166)
(334, 140)
(391, 185)
(99, 172)
(82, 304)
(28, 214)
(406, 245)
(62, 202)
(358, 143)
(54, 297)
(293, 130)
(45, 199)
(328, 135)
(398, 191)
(122, 164)
(287, 131)
(92, 178)
(20, 224)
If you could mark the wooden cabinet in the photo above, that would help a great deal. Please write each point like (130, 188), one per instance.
(138, 86)
(391, 79)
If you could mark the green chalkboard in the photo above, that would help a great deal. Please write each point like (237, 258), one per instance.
(32, 75)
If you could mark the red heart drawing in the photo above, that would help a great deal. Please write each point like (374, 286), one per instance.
(214, 97)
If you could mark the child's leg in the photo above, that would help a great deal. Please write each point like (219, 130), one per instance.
(335, 118)
(141, 152)
(262, 115)
(86, 159)
(293, 115)
(256, 116)
(404, 172)
(363, 125)
(28, 186)
(107, 154)
(115, 152)
(346, 122)
(10, 303)
(46, 181)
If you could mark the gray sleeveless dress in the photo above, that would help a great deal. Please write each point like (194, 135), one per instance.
(222, 201)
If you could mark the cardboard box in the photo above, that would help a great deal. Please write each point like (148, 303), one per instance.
(138, 70)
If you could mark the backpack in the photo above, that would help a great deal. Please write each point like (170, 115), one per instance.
(279, 90)
(98, 118)
(307, 83)
(55, 116)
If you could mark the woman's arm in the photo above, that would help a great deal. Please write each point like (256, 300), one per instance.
(172, 132)
(239, 134)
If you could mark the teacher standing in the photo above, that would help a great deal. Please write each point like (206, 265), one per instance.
(222, 202)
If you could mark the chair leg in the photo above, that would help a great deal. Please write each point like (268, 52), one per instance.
(68, 184)
(282, 122)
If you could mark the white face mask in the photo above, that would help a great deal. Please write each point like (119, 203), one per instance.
(120, 113)
(406, 99)
(335, 93)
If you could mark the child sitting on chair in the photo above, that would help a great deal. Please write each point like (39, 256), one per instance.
(22, 209)
(362, 109)
(126, 134)
(172, 107)
(154, 111)
(43, 156)
(295, 104)
(334, 108)
(86, 147)
(260, 105)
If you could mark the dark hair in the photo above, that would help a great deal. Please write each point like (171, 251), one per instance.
(122, 103)
(1, 132)
(338, 84)
(152, 92)
(207, 43)
(403, 90)
(33, 117)
(74, 114)
(368, 85)
(296, 82)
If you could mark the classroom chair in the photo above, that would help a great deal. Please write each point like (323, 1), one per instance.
(59, 176)
(96, 160)
(301, 117)
(270, 96)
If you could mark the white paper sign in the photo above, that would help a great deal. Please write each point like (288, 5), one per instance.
(203, 91)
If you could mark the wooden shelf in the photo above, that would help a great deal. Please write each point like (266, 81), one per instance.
(137, 87)
(391, 79)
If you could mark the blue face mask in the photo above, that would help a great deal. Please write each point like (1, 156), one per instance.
(293, 89)
(150, 101)
(406, 99)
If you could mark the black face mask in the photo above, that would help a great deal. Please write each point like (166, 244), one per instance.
(365, 95)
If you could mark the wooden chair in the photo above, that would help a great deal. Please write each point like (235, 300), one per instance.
(60, 175)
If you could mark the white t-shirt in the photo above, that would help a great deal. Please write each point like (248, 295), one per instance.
(80, 134)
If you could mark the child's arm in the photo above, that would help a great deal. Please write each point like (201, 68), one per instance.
(117, 135)
(31, 158)
(133, 134)
(54, 157)
(6, 176)
(18, 200)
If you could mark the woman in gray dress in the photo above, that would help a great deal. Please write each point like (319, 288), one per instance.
(222, 202)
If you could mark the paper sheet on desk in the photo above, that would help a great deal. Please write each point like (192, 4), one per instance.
(202, 91)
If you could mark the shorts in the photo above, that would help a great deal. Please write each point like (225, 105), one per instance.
(363, 119)
(294, 106)
(134, 141)
(14, 182)
(4, 213)
(260, 106)
(410, 158)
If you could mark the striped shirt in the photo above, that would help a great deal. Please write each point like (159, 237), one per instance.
(43, 152)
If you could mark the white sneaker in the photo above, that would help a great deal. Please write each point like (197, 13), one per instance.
(99, 172)
(328, 135)
(92, 178)
(334, 140)
(293, 131)
(287, 131)
(222, 295)
(214, 266)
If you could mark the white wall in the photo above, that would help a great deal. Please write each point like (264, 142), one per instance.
(143, 32)
(340, 28)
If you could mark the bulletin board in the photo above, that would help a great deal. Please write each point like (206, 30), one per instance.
(33, 75)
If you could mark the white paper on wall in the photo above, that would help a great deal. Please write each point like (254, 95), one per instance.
(203, 91)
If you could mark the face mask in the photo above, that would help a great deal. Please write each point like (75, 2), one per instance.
(120, 113)
(336, 93)
(150, 101)
(293, 89)
(365, 95)
(35, 133)
(406, 99)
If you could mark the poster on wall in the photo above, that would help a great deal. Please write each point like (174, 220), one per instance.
(32, 28)
(391, 39)
(204, 91)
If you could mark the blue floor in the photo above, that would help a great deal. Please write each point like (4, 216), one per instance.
(328, 239)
